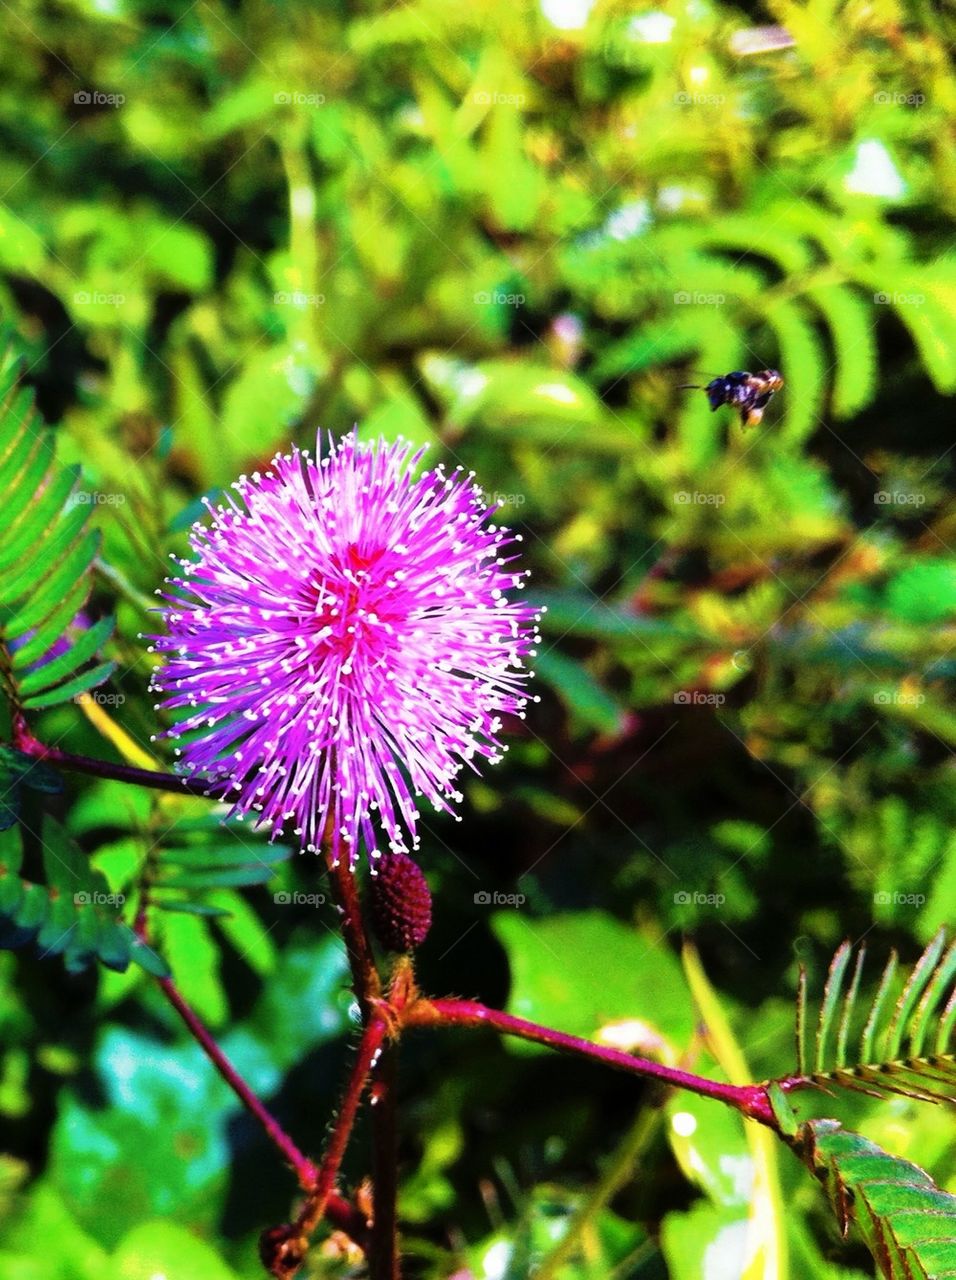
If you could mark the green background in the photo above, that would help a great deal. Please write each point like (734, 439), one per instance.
(225, 226)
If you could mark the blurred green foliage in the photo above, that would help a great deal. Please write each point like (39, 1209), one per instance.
(225, 226)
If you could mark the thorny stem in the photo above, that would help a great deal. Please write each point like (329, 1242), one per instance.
(750, 1100)
(383, 1255)
(321, 1193)
(338, 1210)
(383, 1019)
(365, 977)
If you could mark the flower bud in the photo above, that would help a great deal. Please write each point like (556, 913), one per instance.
(401, 903)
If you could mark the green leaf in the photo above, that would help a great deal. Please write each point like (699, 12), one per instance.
(85, 647)
(249, 937)
(831, 996)
(79, 684)
(619, 974)
(217, 879)
(924, 592)
(34, 528)
(73, 913)
(265, 400)
(148, 958)
(238, 854)
(854, 341)
(585, 697)
(53, 585)
(907, 1222)
(25, 469)
(67, 1250)
(165, 1249)
(195, 959)
(16, 772)
(52, 627)
(46, 559)
(802, 358)
(891, 1057)
(546, 405)
(192, 908)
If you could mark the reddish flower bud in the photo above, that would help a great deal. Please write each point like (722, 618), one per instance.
(401, 903)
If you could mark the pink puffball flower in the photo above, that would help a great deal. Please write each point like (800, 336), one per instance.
(343, 643)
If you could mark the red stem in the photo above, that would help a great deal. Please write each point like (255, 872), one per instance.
(383, 1251)
(321, 1193)
(25, 742)
(337, 1209)
(365, 977)
(305, 1170)
(751, 1100)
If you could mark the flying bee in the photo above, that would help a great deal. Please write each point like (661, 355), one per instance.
(748, 392)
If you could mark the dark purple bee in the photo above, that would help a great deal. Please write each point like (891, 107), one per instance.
(748, 392)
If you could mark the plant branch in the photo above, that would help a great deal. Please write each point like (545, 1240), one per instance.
(383, 1253)
(304, 1168)
(337, 1209)
(322, 1191)
(317, 1182)
(750, 1100)
(365, 977)
(25, 742)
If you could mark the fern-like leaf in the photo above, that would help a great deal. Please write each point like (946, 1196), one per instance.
(907, 1222)
(19, 772)
(905, 1031)
(72, 914)
(208, 855)
(46, 558)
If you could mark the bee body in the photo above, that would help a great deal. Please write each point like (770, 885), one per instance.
(748, 392)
